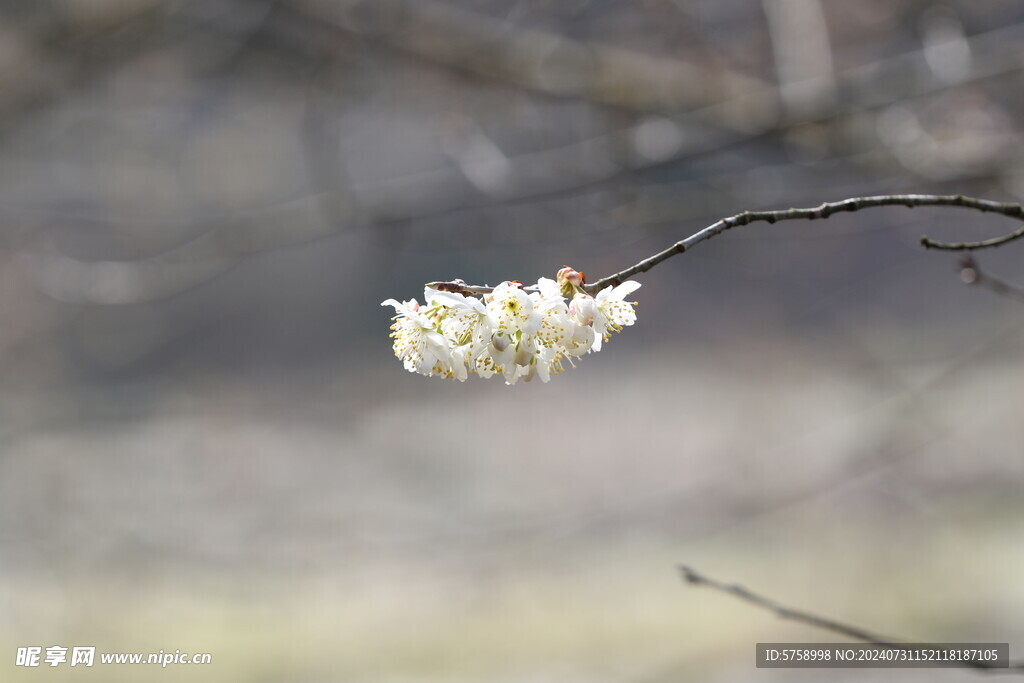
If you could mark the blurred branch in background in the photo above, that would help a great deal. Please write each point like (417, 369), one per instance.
(547, 62)
(803, 57)
(781, 611)
(679, 106)
(972, 274)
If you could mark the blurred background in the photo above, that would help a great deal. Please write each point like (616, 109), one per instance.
(207, 445)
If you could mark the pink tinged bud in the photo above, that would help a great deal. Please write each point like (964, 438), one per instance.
(570, 276)
(570, 281)
(499, 340)
(583, 309)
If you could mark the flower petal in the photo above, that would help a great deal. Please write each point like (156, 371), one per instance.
(626, 288)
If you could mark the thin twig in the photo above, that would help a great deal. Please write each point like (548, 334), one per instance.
(783, 612)
(820, 212)
(970, 246)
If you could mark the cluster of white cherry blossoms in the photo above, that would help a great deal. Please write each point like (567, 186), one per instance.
(508, 332)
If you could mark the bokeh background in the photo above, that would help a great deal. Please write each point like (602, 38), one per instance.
(206, 444)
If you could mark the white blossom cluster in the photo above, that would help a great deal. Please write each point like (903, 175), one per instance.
(508, 332)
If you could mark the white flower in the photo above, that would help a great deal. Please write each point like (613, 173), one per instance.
(509, 316)
(420, 348)
(458, 315)
(613, 313)
(582, 308)
(540, 345)
(511, 333)
(582, 339)
(462, 321)
(459, 359)
(508, 307)
(554, 326)
(545, 362)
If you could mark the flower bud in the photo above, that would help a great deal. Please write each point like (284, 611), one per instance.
(499, 340)
(570, 280)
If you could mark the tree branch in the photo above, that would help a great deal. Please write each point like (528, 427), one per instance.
(820, 212)
(824, 211)
(783, 612)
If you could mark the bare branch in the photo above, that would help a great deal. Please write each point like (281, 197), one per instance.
(783, 612)
(820, 212)
(824, 211)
